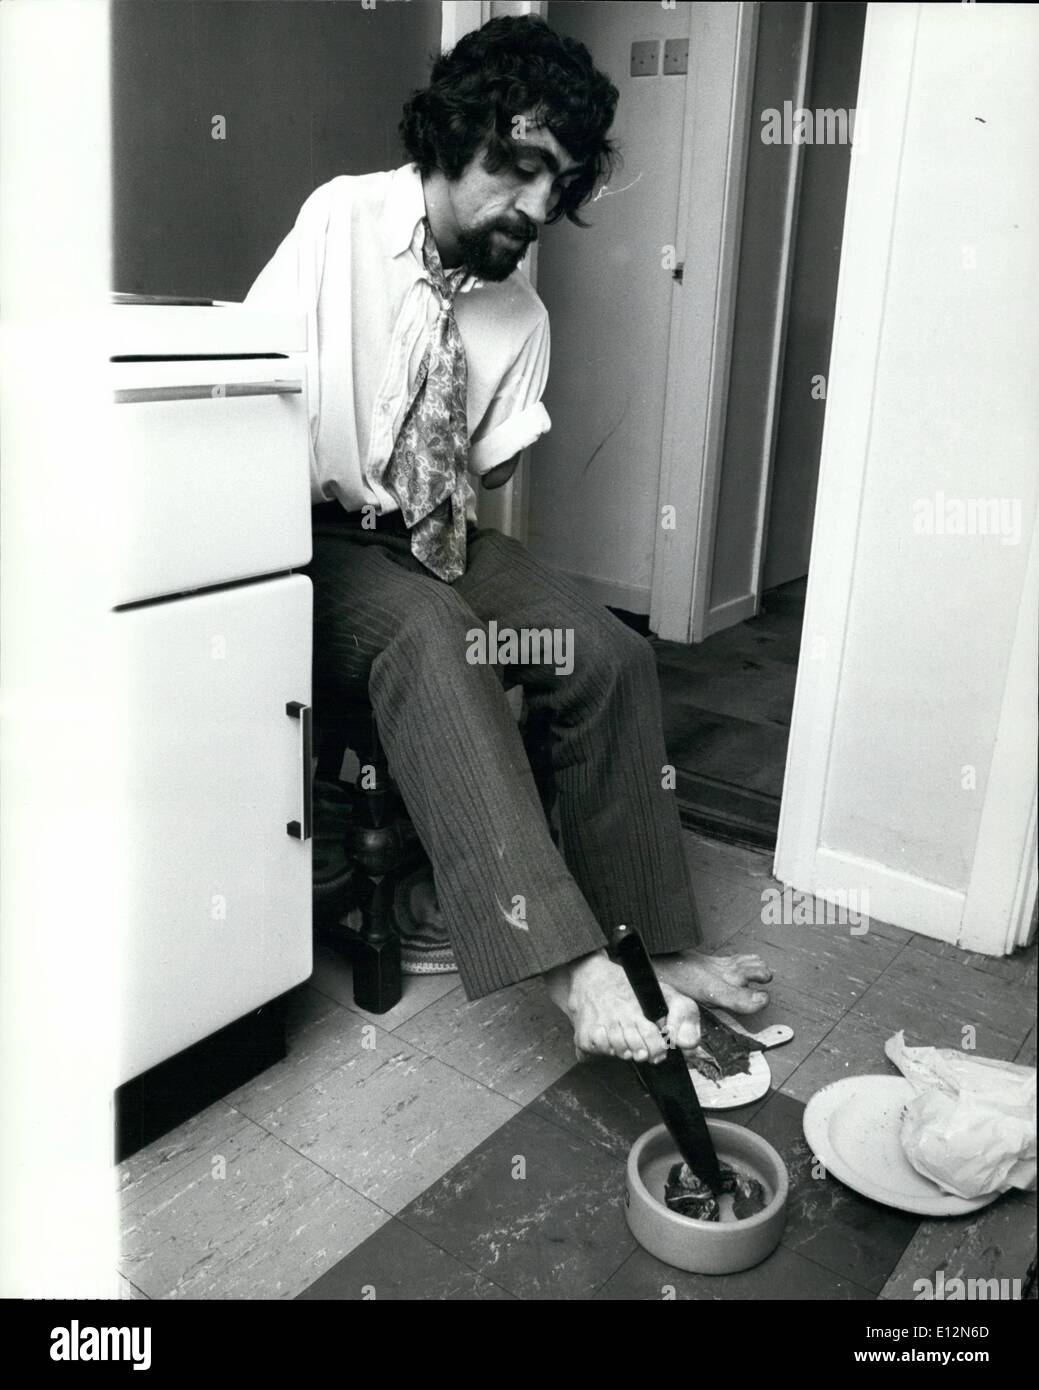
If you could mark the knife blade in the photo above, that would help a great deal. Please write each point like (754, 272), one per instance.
(668, 1082)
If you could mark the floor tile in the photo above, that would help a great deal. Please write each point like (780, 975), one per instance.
(827, 1223)
(851, 1048)
(397, 1263)
(892, 932)
(602, 1102)
(324, 1038)
(253, 1220)
(810, 1027)
(556, 1232)
(784, 1275)
(997, 1242)
(334, 976)
(129, 1291)
(724, 905)
(391, 1124)
(206, 1133)
(1019, 968)
(1026, 1052)
(825, 965)
(934, 1000)
(514, 1041)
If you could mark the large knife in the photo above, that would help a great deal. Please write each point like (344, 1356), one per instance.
(668, 1082)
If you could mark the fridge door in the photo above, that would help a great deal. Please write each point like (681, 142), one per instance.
(217, 889)
(209, 473)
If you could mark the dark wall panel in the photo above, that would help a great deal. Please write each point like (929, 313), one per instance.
(308, 89)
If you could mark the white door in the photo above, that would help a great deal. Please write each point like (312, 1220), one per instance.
(217, 890)
(910, 777)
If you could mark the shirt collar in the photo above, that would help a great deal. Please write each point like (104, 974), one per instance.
(403, 211)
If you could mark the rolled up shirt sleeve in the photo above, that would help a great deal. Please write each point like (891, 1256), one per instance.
(515, 417)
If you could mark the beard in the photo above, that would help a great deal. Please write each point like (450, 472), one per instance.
(491, 256)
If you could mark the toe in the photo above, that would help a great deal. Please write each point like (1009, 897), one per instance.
(632, 1040)
(752, 968)
(594, 1041)
(738, 970)
(683, 1021)
(619, 1044)
(652, 1041)
(740, 1001)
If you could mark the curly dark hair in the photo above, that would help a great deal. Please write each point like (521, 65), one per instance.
(512, 66)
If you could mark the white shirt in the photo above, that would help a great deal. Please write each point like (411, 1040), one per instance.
(353, 264)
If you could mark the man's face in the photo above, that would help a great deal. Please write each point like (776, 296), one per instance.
(497, 215)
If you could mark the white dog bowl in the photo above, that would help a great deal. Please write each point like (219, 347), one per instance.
(705, 1247)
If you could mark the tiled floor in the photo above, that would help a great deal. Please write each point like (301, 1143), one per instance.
(450, 1150)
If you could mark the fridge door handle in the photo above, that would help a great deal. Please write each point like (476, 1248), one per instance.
(301, 830)
(135, 395)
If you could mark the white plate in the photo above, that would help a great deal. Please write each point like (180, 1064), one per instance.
(732, 1091)
(854, 1128)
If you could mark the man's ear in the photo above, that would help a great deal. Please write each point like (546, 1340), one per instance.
(501, 473)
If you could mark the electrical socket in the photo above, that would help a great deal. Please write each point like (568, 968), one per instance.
(676, 57)
(645, 58)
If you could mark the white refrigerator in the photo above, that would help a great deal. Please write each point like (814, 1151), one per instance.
(211, 644)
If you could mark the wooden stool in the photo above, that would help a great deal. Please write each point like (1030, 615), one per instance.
(365, 843)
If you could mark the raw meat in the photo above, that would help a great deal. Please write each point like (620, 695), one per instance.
(722, 1052)
(686, 1194)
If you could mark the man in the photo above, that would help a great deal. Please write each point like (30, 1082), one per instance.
(429, 355)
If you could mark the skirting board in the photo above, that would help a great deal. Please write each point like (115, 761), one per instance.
(632, 598)
(611, 593)
(902, 899)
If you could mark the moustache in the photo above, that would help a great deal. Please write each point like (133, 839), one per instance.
(521, 233)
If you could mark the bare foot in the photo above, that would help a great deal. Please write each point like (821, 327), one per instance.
(722, 980)
(596, 997)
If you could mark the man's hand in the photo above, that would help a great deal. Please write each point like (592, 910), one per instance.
(501, 473)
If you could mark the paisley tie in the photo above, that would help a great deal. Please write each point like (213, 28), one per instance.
(427, 470)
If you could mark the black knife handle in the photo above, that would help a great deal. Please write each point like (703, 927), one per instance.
(626, 949)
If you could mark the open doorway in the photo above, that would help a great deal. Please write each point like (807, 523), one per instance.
(728, 699)
(691, 336)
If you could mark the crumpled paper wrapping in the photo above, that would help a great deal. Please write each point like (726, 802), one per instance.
(971, 1127)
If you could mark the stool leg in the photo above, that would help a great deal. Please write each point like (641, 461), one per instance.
(378, 982)
(378, 851)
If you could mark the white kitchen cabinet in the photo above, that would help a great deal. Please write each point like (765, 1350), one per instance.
(212, 769)
(204, 511)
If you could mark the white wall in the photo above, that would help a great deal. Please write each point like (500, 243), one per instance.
(593, 480)
(908, 637)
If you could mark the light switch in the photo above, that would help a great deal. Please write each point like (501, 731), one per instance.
(645, 58)
(676, 57)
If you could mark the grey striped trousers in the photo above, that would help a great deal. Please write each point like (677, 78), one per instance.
(514, 904)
